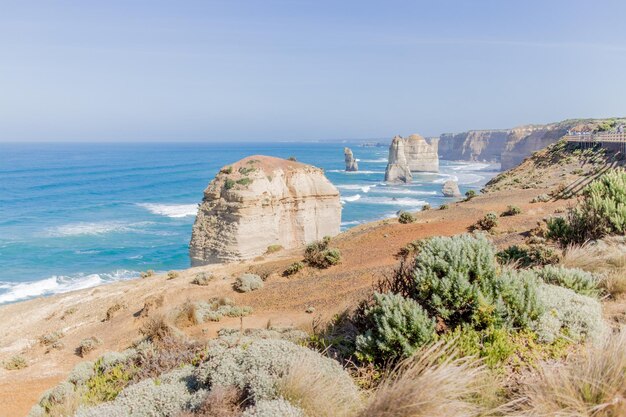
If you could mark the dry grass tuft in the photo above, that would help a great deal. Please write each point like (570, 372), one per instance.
(433, 383)
(317, 391)
(157, 329)
(607, 257)
(187, 315)
(15, 362)
(592, 384)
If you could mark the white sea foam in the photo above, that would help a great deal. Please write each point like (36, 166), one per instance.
(351, 198)
(355, 172)
(89, 228)
(406, 191)
(15, 291)
(471, 167)
(363, 188)
(403, 201)
(171, 210)
(379, 160)
(352, 223)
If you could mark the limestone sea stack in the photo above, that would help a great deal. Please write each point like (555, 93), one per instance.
(422, 155)
(451, 189)
(397, 167)
(261, 201)
(351, 163)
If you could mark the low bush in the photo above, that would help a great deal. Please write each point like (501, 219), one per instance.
(469, 195)
(294, 268)
(512, 211)
(248, 283)
(582, 282)
(525, 256)
(87, 345)
(320, 255)
(488, 222)
(203, 279)
(601, 212)
(274, 248)
(146, 274)
(244, 181)
(227, 170)
(541, 198)
(51, 338)
(444, 207)
(405, 217)
(114, 310)
(15, 362)
(395, 328)
(172, 275)
(426, 207)
(156, 328)
(229, 183)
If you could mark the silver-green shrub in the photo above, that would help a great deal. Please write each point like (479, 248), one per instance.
(397, 327)
(575, 279)
(248, 282)
(254, 365)
(568, 314)
(273, 408)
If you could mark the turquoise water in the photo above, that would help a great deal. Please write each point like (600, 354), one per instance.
(78, 215)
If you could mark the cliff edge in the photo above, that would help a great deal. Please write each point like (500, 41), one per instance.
(261, 201)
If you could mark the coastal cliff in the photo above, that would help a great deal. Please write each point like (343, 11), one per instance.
(397, 167)
(511, 146)
(261, 201)
(411, 154)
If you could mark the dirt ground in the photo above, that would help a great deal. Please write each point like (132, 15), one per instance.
(368, 253)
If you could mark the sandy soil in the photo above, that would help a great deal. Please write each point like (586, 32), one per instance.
(369, 252)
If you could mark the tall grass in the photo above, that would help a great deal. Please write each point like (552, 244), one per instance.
(433, 383)
(606, 257)
(592, 384)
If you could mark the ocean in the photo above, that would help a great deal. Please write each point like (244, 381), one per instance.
(75, 216)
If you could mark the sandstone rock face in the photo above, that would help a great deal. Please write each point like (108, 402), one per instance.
(351, 163)
(397, 167)
(421, 155)
(262, 201)
(475, 145)
(451, 189)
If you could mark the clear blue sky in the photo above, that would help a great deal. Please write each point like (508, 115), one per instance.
(281, 70)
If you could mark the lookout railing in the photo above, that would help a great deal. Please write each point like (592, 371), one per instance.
(597, 137)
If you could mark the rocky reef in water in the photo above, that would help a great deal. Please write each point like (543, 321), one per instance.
(261, 201)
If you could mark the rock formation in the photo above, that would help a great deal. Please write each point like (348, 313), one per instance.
(451, 189)
(397, 167)
(421, 155)
(351, 163)
(262, 201)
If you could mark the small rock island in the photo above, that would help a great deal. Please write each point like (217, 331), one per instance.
(351, 163)
(261, 201)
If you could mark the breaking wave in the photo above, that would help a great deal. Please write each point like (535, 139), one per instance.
(171, 210)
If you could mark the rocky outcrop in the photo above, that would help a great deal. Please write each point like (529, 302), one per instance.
(451, 189)
(351, 163)
(475, 145)
(421, 155)
(262, 201)
(397, 167)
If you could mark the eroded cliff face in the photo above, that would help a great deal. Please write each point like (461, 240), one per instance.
(261, 201)
(509, 146)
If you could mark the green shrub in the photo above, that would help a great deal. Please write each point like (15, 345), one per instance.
(227, 170)
(580, 281)
(512, 211)
(292, 158)
(248, 283)
(526, 256)
(107, 382)
(87, 345)
(274, 248)
(396, 328)
(488, 222)
(444, 207)
(541, 198)
(601, 212)
(320, 255)
(147, 274)
(244, 181)
(405, 217)
(228, 184)
(469, 195)
(293, 269)
(246, 170)
(426, 207)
